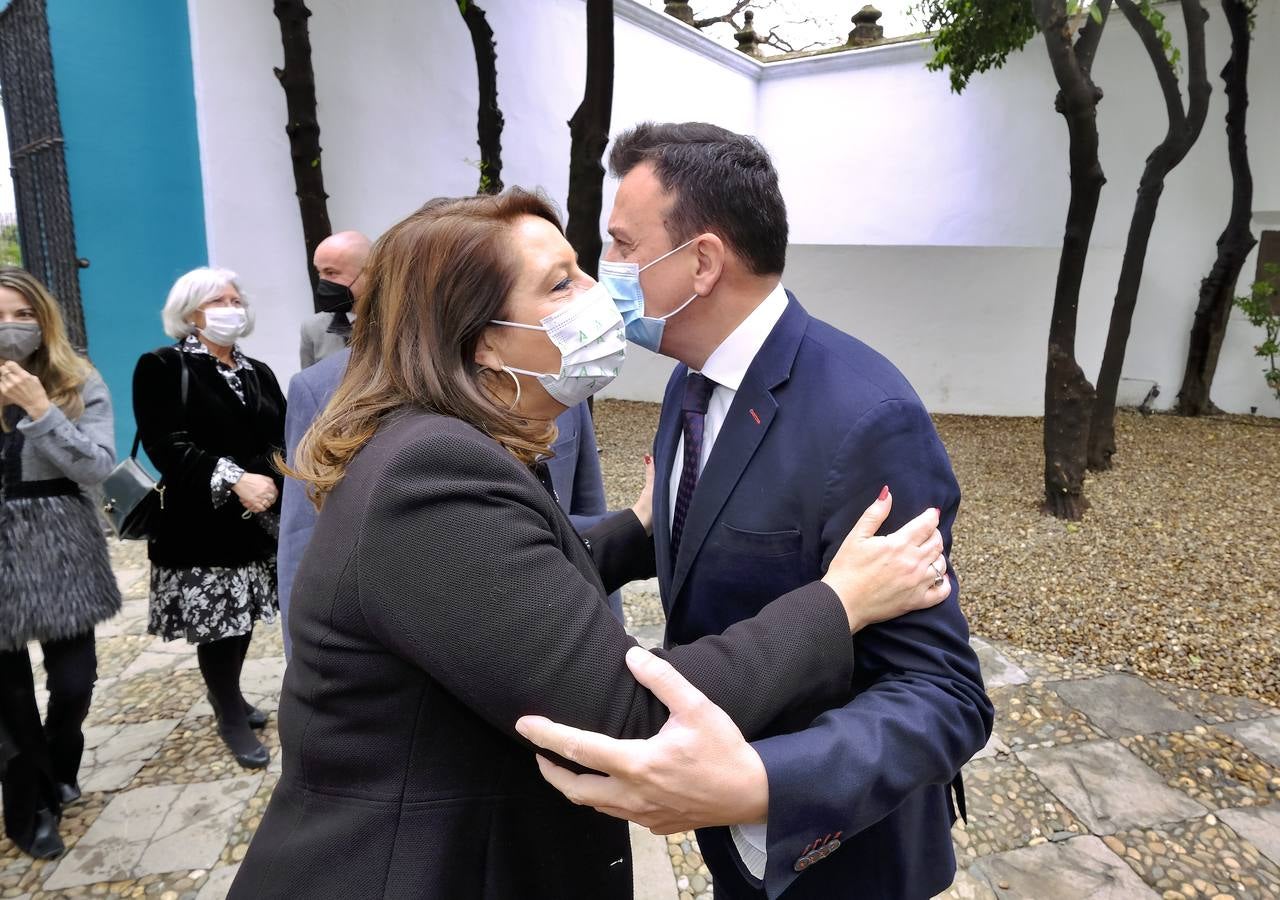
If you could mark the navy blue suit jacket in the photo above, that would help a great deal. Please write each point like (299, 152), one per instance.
(819, 424)
(575, 473)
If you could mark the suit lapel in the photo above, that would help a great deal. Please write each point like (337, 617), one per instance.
(749, 419)
(739, 437)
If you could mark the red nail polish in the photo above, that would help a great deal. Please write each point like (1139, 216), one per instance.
(884, 492)
(647, 459)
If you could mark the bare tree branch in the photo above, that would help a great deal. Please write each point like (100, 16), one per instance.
(1090, 35)
(1165, 74)
(727, 18)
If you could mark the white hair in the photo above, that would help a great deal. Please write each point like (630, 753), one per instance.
(194, 288)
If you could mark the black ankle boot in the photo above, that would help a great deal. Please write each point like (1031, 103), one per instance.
(68, 793)
(235, 733)
(256, 717)
(46, 843)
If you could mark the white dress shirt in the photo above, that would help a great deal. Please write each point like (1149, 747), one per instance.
(727, 366)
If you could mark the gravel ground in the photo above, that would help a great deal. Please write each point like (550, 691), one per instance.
(1172, 574)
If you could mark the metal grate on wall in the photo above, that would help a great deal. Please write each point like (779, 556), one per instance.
(38, 163)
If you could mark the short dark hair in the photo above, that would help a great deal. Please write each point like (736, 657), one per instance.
(721, 182)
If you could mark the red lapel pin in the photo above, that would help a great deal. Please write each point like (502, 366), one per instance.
(755, 415)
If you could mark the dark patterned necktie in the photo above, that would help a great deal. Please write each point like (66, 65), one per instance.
(697, 394)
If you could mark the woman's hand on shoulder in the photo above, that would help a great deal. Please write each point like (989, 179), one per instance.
(882, 577)
(643, 507)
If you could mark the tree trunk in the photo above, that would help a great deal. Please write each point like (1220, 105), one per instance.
(1068, 396)
(489, 117)
(1184, 129)
(589, 133)
(1218, 289)
(299, 83)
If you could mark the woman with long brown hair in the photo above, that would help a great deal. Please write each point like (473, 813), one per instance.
(56, 439)
(444, 593)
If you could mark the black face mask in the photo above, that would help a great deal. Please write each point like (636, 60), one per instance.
(332, 297)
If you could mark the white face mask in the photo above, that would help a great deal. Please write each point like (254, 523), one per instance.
(592, 342)
(224, 324)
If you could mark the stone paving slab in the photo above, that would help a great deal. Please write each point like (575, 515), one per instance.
(1214, 709)
(194, 752)
(260, 682)
(1034, 715)
(1262, 735)
(155, 829)
(1008, 808)
(1208, 765)
(967, 887)
(219, 883)
(1259, 826)
(1079, 869)
(113, 754)
(650, 866)
(1075, 749)
(1108, 787)
(1123, 705)
(997, 669)
(1197, 858)
(1046, 667)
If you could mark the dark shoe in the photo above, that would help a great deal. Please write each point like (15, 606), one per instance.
(235, 733)
(46, 843)
(257, 718)
(68, 793)
(258, 757)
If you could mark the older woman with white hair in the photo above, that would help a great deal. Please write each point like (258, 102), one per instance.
(211, 419)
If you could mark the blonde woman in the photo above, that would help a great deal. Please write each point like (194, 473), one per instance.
(213, 572)
(56, 438)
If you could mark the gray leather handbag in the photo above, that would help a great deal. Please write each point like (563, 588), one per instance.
(132, 500)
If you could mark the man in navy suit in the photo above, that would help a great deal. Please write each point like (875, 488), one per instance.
(776, 432)
(575, 472)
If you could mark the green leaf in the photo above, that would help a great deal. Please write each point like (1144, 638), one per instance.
(1096, 12)
(315, 163)
(462, 6)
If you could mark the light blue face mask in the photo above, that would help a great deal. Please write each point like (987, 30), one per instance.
(622, 281)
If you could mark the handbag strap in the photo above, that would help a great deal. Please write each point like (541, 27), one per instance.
(186, 381)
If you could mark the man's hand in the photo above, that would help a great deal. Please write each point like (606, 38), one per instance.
(697, 772)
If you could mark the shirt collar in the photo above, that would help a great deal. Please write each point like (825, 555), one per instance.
(727, 365)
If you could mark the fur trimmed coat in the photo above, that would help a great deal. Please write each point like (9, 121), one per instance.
(55, 572)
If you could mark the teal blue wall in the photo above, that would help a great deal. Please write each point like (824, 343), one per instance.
(123, 74)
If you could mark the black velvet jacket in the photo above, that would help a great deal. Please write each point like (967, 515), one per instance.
(185, 443)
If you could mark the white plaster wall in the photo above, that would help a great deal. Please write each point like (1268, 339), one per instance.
(920, 219)
(878, 152)
(396, 84)
(251, 215)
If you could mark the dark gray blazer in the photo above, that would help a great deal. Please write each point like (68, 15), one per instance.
(445, 594)
(574, 465)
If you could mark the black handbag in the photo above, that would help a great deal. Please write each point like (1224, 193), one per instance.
(132, 500)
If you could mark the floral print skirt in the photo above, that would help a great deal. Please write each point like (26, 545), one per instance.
(209, 603)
